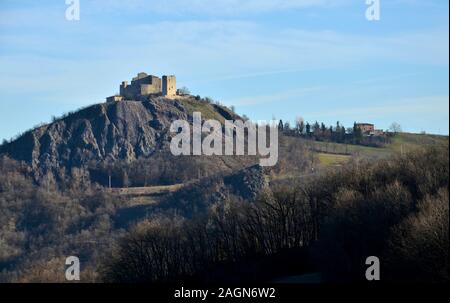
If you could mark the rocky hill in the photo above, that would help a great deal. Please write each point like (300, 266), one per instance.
(110, 132)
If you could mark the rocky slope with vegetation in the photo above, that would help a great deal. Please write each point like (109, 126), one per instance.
(395, 209)
(322, 208)
(106, 133)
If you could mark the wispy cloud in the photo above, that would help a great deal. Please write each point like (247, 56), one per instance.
(228, 49)
(425, 105)
(216, 7)
(272, 98)
(211, 50)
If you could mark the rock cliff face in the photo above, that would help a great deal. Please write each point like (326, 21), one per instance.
(196, 198)
(125, 130)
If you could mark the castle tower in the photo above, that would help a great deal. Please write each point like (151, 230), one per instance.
(123, 88)
(169, 85)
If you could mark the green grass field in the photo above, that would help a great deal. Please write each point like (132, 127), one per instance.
(207, 110)
(333, 159)
(145, 195)
(405, 141)
(149, 190)
(402, 142)
(349, 149)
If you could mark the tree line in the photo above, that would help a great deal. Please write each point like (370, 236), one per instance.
(395, 209)
(337, 133)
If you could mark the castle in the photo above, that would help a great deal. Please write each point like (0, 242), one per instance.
(144, 85)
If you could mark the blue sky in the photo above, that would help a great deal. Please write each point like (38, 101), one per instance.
(318, 59)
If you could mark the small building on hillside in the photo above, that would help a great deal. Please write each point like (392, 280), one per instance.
(115, 98)
(378, 132)
(366, 128)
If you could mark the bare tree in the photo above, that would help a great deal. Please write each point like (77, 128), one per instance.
(183, 91)
(395, 128)
(299, 125)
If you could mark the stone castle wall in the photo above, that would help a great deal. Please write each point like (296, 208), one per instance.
(144, 85)
(169, 87)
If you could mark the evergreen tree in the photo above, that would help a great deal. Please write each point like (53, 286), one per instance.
(308, 129)
(287, 127)
(323, 128)
(281, 125)
(342, 134)
(357, 134)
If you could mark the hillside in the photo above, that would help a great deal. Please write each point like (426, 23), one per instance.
(301, 158)
(404, 142)
(108, 133)
(125, 145)
(400, 143)
(130, 140)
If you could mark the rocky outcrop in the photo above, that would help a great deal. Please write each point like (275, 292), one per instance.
(198, 197)
(247, 183)
(125, 130)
